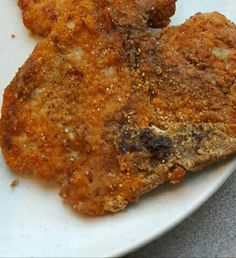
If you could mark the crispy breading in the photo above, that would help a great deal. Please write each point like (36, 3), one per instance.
(112, 112)
(39, 16)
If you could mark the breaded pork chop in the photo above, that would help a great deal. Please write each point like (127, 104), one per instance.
(179, 117)
(111, 112)
(39, 16)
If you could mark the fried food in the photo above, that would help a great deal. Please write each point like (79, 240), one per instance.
(39, 16)
(111, 112)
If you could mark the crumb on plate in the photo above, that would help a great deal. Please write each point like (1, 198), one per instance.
(15, 183)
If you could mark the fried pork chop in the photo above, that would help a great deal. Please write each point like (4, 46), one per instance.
(39, 16)
(112, 112)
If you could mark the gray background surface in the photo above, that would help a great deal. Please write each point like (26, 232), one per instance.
(209, 232)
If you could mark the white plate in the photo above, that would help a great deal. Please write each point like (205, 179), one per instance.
(33, 220)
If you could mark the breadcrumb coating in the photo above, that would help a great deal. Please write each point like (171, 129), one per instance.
(39, 16)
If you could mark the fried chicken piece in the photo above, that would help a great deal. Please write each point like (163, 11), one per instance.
(39, 16)
(112, 113)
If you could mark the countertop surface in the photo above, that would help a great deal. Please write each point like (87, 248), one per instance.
(209, 232)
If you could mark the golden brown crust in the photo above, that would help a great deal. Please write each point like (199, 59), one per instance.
(39, 16)
(112, 112)
(198, 65)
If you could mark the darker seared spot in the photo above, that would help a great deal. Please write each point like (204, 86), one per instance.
(159, 146)
(198, 136)
(154, 143)
(75, 74)
(129, 142)
(7, 142)
(138, 140)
